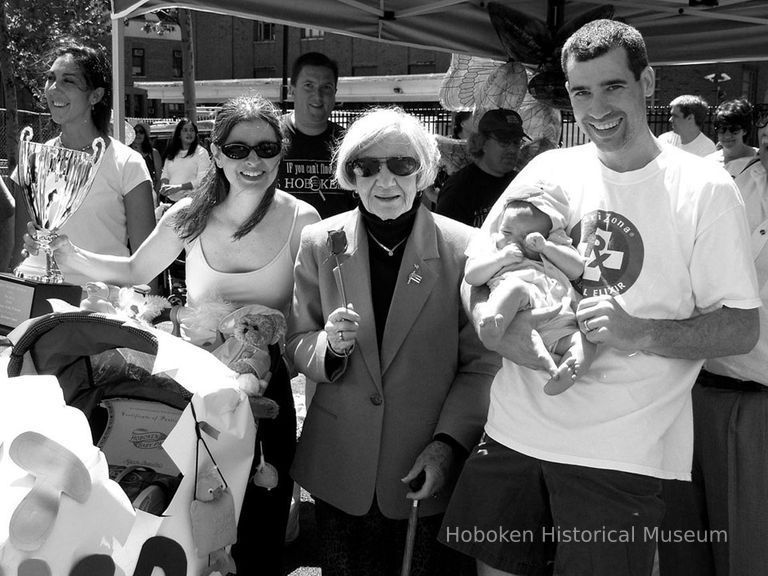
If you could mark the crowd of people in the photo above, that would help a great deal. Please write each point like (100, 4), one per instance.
(572, 389)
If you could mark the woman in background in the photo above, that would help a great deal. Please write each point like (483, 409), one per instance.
(142, 143)
(733, 120)
(186, 163)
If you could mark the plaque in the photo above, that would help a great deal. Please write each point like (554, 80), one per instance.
(21, 299)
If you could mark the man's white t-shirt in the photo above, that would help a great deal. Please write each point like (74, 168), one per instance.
(700, 146)
(669, 241)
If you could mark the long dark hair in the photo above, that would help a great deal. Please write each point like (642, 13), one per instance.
(191, 222)
(94, 64)
(146, 143)
(174, 146)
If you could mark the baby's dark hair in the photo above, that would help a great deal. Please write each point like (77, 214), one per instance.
(526, 206)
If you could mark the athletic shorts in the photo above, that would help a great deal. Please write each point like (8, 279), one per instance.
(529, 517)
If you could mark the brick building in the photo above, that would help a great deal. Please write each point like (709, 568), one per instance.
(232, 48)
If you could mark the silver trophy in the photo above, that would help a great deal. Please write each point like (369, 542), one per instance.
(54, 182)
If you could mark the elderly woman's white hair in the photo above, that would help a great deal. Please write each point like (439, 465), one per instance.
(377, 124)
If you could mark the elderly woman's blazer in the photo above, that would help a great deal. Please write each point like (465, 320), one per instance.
(367, 423)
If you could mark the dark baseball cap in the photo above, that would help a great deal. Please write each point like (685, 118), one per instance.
(502, 123)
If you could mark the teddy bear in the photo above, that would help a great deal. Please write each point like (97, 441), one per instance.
(249, 332)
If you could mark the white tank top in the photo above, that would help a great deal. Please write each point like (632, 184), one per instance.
(271, 285)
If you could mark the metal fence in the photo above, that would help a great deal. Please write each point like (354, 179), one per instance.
(435, 118)
(42, 127)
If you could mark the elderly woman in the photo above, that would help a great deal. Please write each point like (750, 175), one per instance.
(402, 378)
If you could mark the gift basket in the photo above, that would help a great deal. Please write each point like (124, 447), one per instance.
(171, 423)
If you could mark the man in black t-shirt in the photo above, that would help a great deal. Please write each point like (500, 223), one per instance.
(468, 194)
(306, 171)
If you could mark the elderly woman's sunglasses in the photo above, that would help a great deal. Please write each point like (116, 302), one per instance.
(367, 166)
(238, 151)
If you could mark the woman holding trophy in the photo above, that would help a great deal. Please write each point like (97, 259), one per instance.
(241, 236)
(117, 213)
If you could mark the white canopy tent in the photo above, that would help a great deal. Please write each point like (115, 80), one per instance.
(676, 33)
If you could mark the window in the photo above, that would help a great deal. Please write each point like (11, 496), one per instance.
(749, 83)
(264, 72)
(137, 62)
(175, 110)
(365, 70)
(421, 68)
(655, 99)
(177, 65)
(263, 31)
(308, 33)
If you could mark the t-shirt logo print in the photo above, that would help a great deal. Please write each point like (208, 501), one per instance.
(614, 253)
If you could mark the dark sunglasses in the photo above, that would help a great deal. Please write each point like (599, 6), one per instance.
(762, 119)
(513, 141)
(238, 151)
(723, 128)
(367, 166)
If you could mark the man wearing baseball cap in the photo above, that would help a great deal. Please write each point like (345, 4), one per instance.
(469, 193)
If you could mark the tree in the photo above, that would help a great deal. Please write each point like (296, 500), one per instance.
(188, 62)
(162, 22)
(28, 29)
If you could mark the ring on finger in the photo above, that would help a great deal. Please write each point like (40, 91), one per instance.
(341, 335)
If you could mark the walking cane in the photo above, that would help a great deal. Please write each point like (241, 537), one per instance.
(415, 485)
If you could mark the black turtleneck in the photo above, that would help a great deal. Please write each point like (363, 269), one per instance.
(384, 268)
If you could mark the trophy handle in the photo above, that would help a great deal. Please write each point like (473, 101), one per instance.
(99, 147)
(25, 138)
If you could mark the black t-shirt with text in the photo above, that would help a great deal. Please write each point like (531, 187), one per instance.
(306, 171)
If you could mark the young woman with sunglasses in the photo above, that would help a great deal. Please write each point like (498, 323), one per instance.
(733, 121)
(241, 237)
(186, 163)
(403, 380)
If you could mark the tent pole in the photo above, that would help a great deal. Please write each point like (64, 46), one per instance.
(118, 79)
(284, 85)
(555, 14)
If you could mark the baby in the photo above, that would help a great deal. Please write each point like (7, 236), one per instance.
(529, 262)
